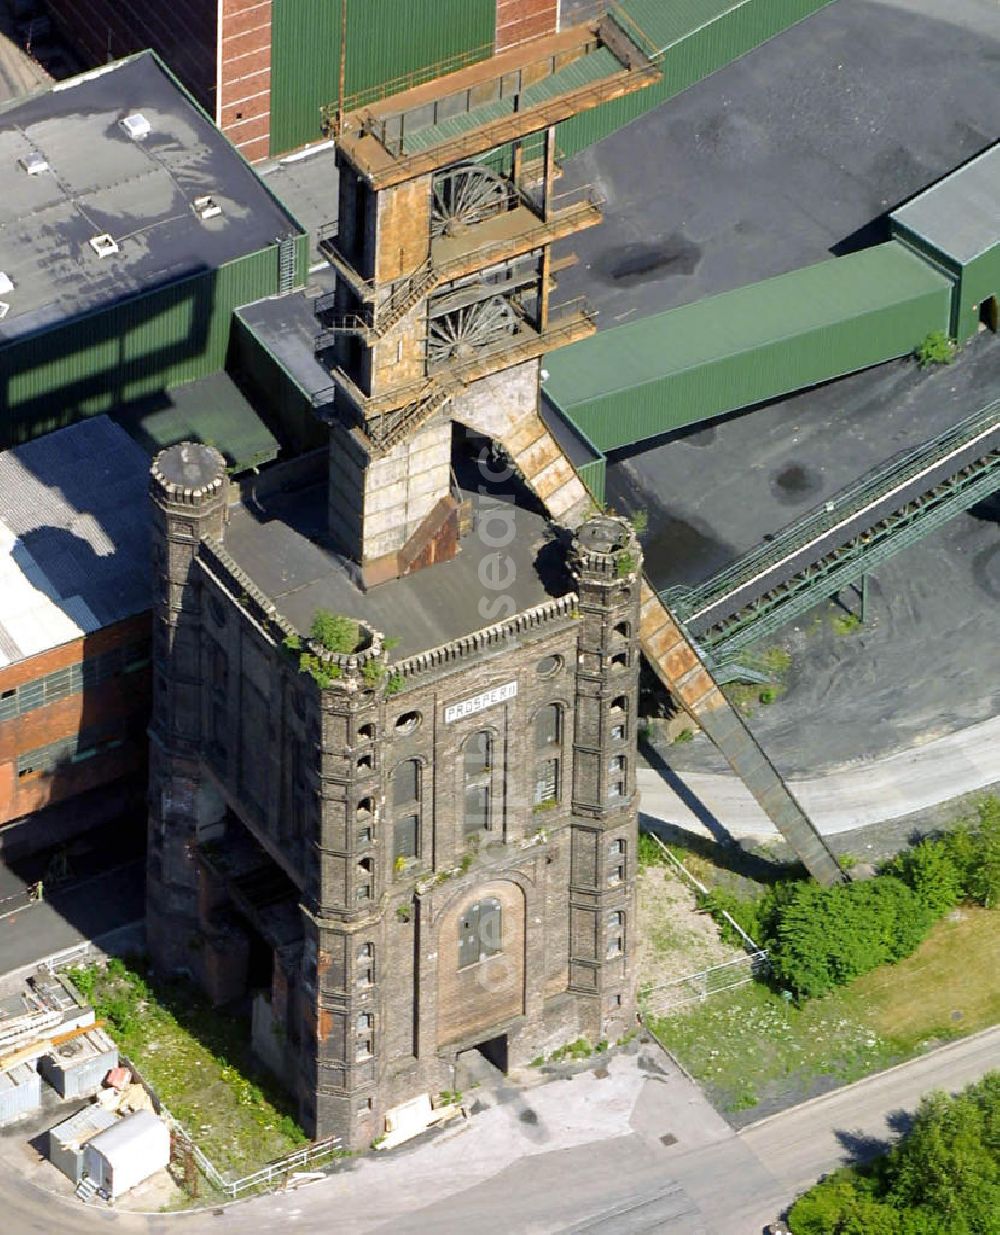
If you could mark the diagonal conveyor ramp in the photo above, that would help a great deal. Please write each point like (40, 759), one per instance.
(549, 474)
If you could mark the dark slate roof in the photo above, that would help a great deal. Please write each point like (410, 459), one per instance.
(100, 180)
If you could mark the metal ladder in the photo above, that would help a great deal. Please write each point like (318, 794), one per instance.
(286, 263)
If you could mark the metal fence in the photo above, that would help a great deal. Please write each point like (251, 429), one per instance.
(752, 947)
(697, 987)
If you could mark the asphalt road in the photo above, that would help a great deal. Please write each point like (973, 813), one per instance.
(626, 1148)
(88, 909)
(855, 797)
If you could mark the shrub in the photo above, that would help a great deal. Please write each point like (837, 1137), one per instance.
(934, 874)
(335, 632)
(820, 938)
(942, 1178)
(936, 349)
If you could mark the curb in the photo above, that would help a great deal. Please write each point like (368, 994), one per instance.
(864, 1080)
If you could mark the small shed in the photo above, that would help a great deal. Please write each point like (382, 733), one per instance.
(126, 1154)
(20, 1092)
(955, 225)
(67, 1140)
(77, 1068)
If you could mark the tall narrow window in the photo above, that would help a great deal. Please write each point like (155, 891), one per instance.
(365, 1045)
(616, 863)
(406, 810)
(366, 872)
(616, 933)
(548, 738)
(480, 933)
(365, 972)
(477, 762)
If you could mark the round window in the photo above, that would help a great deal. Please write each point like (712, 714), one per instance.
(548, 665)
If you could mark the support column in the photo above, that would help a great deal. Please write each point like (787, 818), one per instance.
(606, 560)
(188, 489)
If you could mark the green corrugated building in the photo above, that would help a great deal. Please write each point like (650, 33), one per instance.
(758, 342)
(956, 225)
(130, 230)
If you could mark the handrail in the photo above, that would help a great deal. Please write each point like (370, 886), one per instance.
(871, 489)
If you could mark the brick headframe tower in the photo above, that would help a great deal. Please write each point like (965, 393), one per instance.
(403, 854)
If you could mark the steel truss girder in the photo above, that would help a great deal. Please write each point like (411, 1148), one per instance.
(847, 563)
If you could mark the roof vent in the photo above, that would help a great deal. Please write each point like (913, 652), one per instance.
(34, 163)
(207, 207)
(6, 283)
(137, 126)
(104, 245)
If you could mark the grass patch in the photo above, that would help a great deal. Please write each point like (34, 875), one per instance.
(198, 1060)
(775, 663)
(845, 623)
(916, 1000)
(754, 1041)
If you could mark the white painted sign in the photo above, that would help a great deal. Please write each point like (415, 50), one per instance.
(478, 703)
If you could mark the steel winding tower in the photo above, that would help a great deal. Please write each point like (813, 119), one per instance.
(441, 313)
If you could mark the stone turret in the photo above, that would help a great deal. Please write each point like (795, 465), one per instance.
(189, 489)
(607, 563)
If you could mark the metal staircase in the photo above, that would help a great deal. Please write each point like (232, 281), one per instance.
(674, 658)
(286, 263)
(86, 1190)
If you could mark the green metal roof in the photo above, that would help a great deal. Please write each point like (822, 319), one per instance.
(210, 410)
(575, 76)
(960, 215)
(659, 25)
(736, 322)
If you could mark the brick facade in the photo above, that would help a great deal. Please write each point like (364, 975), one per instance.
(520, 20)
(244, 98)
(376, 1005)
(107, 716)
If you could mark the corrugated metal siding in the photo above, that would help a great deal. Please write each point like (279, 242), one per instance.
(593, 476)
(305, 68)
(980, 280)
(386, 40)
(694, 50)
(298, 424)
(149, 343)
(759, 342)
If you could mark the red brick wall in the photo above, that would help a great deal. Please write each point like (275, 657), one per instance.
(181, 32)
(118, 707)
(245, 78)
(519, 20)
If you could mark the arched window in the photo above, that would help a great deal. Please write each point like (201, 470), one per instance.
(616, 933)
(406, 809)
(480, 933)
(365, 972)
(366, 876)
(616, 863)
(548, 748)
(623, 629)
(477, 763)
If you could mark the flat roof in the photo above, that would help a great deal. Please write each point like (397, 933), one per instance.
(774, 161)
(287, 327)
(279, 542)
(140, 192)
(74, 536)
(812, 298)
(960, 215)
(476, 108)
(209, 409)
